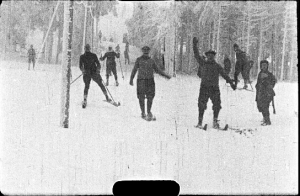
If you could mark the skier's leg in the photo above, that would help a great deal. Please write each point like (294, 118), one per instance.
(215, 97)
(98, 79)
(140, 89)
(202, 103)
(87, 81)
(150, 93)
(108, 70)
(114, 70)
(266, 113)
(29, 60)
(33, 63)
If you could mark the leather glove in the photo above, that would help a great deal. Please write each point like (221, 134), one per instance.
(131, 82)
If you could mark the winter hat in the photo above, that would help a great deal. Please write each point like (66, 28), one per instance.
(264, 61)
(235, 45)
(87, 47)
(145, 49)
(210, 52)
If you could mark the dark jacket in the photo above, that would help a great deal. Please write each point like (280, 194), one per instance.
(264, 86)
(227, 65)
(241, 56)
(31, 53)
(89, 62)
(145, 67)
(110, 57)
(209, 70)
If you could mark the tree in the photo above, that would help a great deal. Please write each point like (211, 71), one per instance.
(66, 71)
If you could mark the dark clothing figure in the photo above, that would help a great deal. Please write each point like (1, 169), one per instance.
(265, 93)
(111, 65)
(241, 61)
(209, 88)
(126, 54)
(31, 57)
(227, 65)
(90, 67)
(247, 70)
(145, 66)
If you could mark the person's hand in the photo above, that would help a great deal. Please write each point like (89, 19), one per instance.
(83, 71)
(131, 82)
(195, 40)
(232, 86)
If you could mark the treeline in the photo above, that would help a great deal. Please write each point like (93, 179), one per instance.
(265, 30)
(20, 18)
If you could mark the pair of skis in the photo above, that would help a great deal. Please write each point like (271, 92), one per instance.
(219, 128)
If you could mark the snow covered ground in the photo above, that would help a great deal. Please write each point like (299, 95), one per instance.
(105, 144)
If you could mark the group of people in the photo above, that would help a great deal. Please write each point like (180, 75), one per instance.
(209, 71)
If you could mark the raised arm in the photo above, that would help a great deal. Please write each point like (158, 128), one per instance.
(196, 52)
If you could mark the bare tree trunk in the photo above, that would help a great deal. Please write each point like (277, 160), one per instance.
(66, 64)
(181, 49)
(248, 27)
(59, 45)
(218, 34)
(260, 46)
(283, 46)
(84, 26)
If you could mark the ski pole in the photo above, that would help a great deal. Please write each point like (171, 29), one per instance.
(121, 68)
(76, 79)
(274, 111)
(108, 92)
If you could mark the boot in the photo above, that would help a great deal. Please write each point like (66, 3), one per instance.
(84, 102)
(107, 83)
(267, 121)
(199, 125)
(107, 98)
(245, 86)
(216, 123)
(117, 83)
(143, 115)
(149, 116)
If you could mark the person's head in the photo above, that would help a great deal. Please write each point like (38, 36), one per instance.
(87, 48)
(210, 55)
(109, 48)
(145, 50)
(235, 47)
(264, 65)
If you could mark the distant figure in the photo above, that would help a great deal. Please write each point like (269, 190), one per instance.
(90, 67)
(118, 48)
(227, 64)
(111, 64)
(31, 56)
(126, 53)
(241, 61)
(247, 70)
(264, 91)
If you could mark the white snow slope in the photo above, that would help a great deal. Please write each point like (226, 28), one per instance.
(105, 144)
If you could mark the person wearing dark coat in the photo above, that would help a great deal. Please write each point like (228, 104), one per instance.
(126, 53)
(265, 91)
(145, 66)
(227, 64)
(90, 67)
(31, 57)
(241, 61)
(247, 69)
(111, 65)
(209, 87)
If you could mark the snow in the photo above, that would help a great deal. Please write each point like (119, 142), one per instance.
(104, 144)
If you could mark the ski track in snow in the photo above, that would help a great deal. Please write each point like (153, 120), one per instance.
(104, 144)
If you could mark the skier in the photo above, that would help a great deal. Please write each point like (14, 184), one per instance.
(126, 53)
(31, 57)
(209, 87)
(247, 70)
(145, 81)
(227, 64)
(241, 61)
(264, 91)
(90, 67)
(111, 64)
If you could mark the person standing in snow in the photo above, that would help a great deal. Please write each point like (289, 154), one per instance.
(264, 91)
(241, 61)
(145, 66)
(126, 53)
(90, 67)
(247, 70)
(227, 64)
(209, 88)
(31, 57)
(111, 64)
